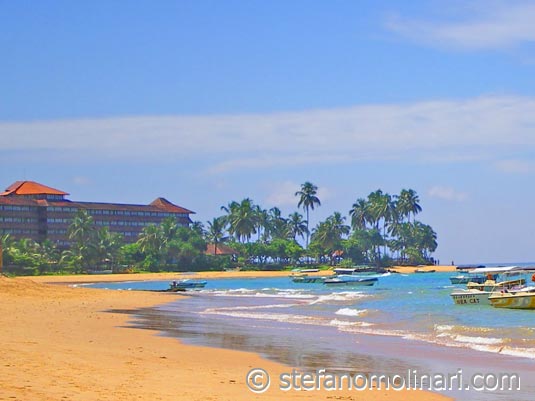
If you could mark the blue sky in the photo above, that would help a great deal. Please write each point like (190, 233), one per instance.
(204, 102)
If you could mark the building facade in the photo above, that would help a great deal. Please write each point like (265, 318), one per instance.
(32, 210)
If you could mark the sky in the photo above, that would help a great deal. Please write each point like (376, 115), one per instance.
(205, 102)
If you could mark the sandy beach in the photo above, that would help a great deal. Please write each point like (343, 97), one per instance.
(60, 342)
(93, 278)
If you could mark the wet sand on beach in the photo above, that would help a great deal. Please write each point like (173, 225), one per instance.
(64, 343)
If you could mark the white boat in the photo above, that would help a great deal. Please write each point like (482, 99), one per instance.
(478, 293)
(467, 278)
(350, 280)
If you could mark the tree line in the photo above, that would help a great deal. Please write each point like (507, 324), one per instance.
(380, 229)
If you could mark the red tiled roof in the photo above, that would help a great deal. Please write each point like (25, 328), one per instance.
(165, 205)
(222, 249)
(31, 188)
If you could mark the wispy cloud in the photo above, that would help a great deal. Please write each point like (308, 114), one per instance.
(514, 166)
(283, 194)
(446, 193)
(445, 130)
(491, 24)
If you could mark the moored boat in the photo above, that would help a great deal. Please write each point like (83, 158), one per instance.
(515, 298)
(520, 299)
(478, 293)
(305, 278)
(180, 285)
(350, 280)
(467, 278)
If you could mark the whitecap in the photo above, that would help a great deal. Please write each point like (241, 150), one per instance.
(350, 312)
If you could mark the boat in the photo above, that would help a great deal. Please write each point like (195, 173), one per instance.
(523, 298)
(515, 298)
(350, 280)
(467, 278)
(180, 285)
(305, 278)
(478, 293)
(360, 270)
(424, 271)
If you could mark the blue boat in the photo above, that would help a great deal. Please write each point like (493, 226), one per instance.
(181, 285)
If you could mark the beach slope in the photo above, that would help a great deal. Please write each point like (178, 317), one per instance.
(63, 343)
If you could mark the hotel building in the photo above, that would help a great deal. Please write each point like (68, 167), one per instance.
(32, 210)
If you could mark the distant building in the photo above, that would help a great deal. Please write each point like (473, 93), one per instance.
(32, 210)
(220, 249)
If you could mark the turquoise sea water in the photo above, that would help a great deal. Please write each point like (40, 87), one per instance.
(404, 321)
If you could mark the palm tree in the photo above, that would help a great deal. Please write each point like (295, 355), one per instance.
(82, 233)
(408, 202)
(296, 225)
(382, 207)
(215, 233)
(262, 222)
(359, 214)
(107, 246)
(242, 219)
(328, 234)
(307, 200)
(277, 224)
(81, 229)
(168, 228)
(151, 240)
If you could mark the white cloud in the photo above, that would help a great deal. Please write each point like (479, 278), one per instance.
(81, 180)
(446, 193)
(283, 194)
(493, 24)
(516, 166)
(443, 130)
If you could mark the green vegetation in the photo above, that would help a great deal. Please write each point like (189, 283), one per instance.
(382, 230)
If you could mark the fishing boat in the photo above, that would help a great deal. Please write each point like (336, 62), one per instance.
(515, 298)
(180, 285)
(350, 280)
(478, 293)
(306, 279)
(520, 299)
(360, 270)
(467, 278)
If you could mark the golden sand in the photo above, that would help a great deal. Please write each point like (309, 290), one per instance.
(59, 343)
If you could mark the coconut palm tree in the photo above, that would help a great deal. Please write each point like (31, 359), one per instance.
(81, 229)
(242, 219)
(360, 214)
(278, 227)
(308, 200)
(151, 240)
(296, 226)
(216, 231)
(328, 234)
(407, 203)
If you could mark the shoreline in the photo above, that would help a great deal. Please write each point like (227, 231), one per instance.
(68, 342)
(161, 276)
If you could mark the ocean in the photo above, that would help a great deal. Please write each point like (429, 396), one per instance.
(403, 322)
